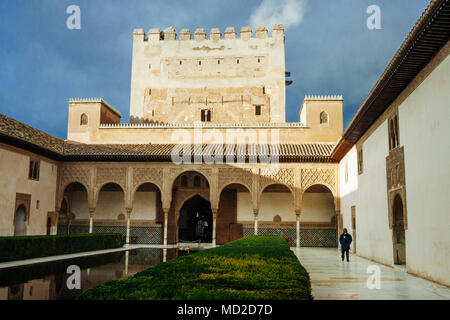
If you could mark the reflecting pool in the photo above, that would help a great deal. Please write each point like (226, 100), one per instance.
(48, 281)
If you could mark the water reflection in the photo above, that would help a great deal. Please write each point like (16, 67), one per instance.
(49, 281)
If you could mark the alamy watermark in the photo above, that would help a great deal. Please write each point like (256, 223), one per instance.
(74, 19)
(374, 280)
(74, 280)
(374, 20)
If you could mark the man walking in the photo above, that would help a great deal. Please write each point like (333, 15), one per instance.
(345, 240)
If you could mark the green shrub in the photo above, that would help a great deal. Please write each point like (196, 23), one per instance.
(257, 267)
(27, 247)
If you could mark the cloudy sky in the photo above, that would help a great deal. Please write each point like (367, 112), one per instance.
(329, 49)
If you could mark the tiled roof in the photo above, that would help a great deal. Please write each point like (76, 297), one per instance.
(26, 135)
(19, 134)
(163, 152)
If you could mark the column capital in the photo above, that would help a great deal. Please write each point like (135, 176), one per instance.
(91, 212)
(215, 211)
(338, 212)
(255, 211)
(128, 210)
(298, 213)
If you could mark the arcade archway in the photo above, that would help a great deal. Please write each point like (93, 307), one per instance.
(195, 221)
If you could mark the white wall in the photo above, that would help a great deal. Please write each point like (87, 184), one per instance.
(425, 131)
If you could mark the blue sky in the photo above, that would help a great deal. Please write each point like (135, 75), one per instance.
(329, 49)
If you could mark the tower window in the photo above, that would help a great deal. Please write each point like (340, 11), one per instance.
(197, 181)
(264, 90)
(149, 66)
(324, 119)
(218, 61)
(184, 181)
(181, 62)
(259, 60)
(257, 110)
(149, 92)
(83, 119)
(205, 115)
(199, 63)
(237, 61)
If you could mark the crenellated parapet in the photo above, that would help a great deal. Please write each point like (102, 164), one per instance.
(326, 97)
(215, 34)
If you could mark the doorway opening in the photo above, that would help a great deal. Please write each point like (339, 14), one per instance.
(195, 221)
(398, 230)
(20, 221)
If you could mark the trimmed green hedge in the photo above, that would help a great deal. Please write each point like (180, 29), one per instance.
(256, 267)
(27, 247)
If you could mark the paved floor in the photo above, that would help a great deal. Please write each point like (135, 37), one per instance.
(333, 279)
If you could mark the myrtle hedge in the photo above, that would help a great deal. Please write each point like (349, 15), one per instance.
(256, 267)
(27, 247)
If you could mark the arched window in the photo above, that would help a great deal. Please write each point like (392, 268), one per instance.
(184, 181)
(197, 181)
(83, 119)
(324, 118)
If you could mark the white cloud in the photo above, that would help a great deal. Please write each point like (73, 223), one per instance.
(270, 12)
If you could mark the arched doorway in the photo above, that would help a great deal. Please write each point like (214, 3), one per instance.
(185, 186)
(318, 218)
(74, 208)
(20, 221)
(195, 221)
(398, 232)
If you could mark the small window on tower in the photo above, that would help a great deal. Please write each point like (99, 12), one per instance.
(149, 92)
(197, 181)
(83, 119)
(237, 61)
(149, 66)
(205, 115)
(264, 90)
(324, 118)
(181, 62)
(218, 61)
(184, 181)
(199, 63)
(257, 110)
(259, 60)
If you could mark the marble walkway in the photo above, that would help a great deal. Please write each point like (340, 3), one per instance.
(336, 280)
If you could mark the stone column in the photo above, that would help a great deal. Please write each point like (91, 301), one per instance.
(91, 219)
(166, 221)
(214, 226)
(128, 224)
(297, 221)
(255, 214)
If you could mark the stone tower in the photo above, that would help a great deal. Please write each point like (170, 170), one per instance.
(215, 79)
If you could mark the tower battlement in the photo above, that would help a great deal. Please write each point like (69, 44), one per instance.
(246, 33)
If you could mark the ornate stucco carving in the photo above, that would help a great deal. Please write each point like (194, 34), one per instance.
(276, 175)
(235, 175)
(71, 174)
(142, 175)
(314, 176)
(111, 174)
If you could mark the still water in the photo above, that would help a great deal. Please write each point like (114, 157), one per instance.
(48, 281)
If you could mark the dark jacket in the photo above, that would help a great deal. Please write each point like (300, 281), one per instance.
(345, 240)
